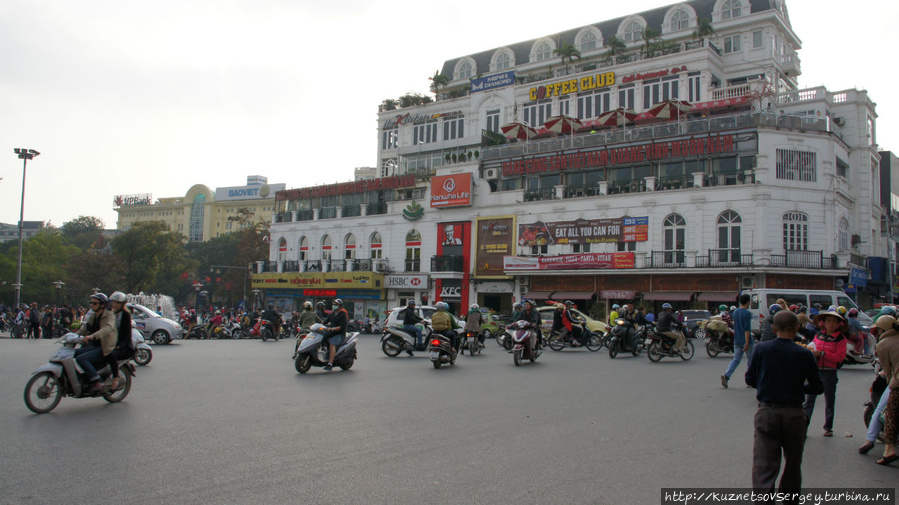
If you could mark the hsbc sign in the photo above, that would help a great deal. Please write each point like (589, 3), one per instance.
(406, 281)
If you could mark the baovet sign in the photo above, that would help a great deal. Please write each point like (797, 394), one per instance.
(254, 192)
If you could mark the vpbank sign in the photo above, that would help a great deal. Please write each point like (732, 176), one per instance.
(255, 192)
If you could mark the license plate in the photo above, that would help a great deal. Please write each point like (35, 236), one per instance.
(435, 355)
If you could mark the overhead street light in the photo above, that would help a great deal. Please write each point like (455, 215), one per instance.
(24, 155)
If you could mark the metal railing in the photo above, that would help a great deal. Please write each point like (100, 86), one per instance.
(675, 258)
(804, 259)
(723, 258)
(447, 264)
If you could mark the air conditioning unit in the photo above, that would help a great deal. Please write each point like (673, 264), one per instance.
(382, 267)
(491, 173)
(522, 281)
(840, 121)
(747, 282)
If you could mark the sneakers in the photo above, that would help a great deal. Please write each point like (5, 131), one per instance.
(328, 367)
(724, 380)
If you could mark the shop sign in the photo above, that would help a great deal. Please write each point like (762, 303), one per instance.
(496, 239)
(560, 88)
(584, 231)
(601, 261)
(320, 293)
(451, 292)
(254, 192)
(347, 188)
(406, 281)
(132, 200)
(858, 277)
(318, 280)
(496, 287)
(611, 156)
(416, 119)
(652, 75)
(493, 81)
(451, 190)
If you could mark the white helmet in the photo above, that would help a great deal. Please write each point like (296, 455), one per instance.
(118, 296)
(474, 306)
(308, 305)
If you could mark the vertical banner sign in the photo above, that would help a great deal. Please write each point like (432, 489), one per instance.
(495, 239)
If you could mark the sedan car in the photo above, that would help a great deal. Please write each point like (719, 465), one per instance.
(692, 318)
(546, 318)
(153, 326)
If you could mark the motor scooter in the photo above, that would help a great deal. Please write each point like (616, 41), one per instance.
(396, 340)
(592, 341)
(620, 342)
(471, 342)
(661, 346)
(143, 353)
(440, 349)
(855, 352)
(61, 377)
(521, 337)
(314, 350)
(718, 335)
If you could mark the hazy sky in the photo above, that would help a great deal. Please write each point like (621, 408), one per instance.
(154, 97)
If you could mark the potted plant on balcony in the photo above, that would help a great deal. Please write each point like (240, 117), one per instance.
(703, 29)
(567, 53)
(438, 80)
(616, 47)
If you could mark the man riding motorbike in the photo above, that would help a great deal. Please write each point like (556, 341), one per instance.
(445, 324)
(473, 321)
(667, 319)
(530, 315)
(308, 317)
(634, 317)
(124, 347)
(335, 330)
(572, 324)
(99, 334)
(410, 320)
(272, 317)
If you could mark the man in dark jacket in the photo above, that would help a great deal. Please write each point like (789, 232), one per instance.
(272, 317)
(530, 315)
(410, 320)
(667, 320)
(335, 329)
(124, 347)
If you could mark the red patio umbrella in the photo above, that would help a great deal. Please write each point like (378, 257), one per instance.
(669, 109)
(519, 131)
(563, 124)
(616, 117)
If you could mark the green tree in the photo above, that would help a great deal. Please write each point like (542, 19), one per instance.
(89, 269)
(567, 53)
(650, 37)
(703, 29)
(153, 258)
(616, 46)
(389, 104)
(83, 231)
(44, 259)
(438, 80)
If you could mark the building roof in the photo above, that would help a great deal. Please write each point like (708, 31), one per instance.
(654, 18)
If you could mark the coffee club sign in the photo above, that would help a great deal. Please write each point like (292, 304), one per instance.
(696, 146)
(587, 83)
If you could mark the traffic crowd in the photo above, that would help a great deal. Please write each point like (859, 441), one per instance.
(32, 321)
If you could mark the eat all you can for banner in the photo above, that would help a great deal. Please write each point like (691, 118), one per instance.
(594, 261)
(584, 231)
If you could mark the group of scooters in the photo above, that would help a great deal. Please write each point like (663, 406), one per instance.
(396, 340)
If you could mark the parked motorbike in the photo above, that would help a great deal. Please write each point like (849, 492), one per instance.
(61, 377)
(234, 331)
(440, 350)
(718, 336)
(521, 337)
(662, 346)
(143, 353)
(470, 342)
(504, 338)
(592, 341)
(198, 332)
(396, 340)
(620, 342)
(314, 350)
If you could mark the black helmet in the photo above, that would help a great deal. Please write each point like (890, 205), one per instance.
(271, 305)
(100, 297)
(410, 303)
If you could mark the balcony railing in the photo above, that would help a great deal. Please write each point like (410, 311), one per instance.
(447, 264)
(724, 258)
(377, 208)
(304, 215)
(352, 210)
(675, 258)
(804, 259)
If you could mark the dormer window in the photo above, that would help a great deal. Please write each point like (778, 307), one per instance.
(731, 9)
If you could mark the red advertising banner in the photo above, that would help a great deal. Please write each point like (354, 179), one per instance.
(602, 261)
(451, 190)
(584, 231)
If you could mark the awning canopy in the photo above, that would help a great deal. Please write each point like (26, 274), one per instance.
(616, 294)
(721, 104)
(672, 296)
(561, 296)
(537, 295)
(718, 296)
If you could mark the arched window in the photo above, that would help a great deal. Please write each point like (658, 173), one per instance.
(795, 225)
(729, 223)
(674, 230)
(843, 235)
(543, 52)
(465, 70)
(731, 9)
(413, 251)
(633, 32)
(680, 20)
(349, 250)
(375, 245)
(502, 61)
(587, 42)
(303, 249)
(326, 248)
(282, 249)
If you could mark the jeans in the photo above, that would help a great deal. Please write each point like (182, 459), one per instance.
(411, 328)
(88, 358)
(875, 425)
(829, 378)
(738, 356)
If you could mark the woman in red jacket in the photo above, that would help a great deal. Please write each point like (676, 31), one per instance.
(830, 350)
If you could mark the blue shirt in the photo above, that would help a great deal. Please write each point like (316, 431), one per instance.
(742, 324)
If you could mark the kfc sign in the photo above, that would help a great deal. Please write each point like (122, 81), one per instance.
(451, 190)
(451, 292)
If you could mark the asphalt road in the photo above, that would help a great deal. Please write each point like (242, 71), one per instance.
(232, 422)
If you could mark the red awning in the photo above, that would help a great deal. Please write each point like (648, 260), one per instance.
(718, 296)
(616, 294)
(673, 296)
(721, 104)
(560, 296)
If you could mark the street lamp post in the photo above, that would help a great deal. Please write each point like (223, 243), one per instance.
(256, 294)
(24, 155)
(197, 286)
(59, 285)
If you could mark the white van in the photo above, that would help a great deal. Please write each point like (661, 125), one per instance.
(762, 298)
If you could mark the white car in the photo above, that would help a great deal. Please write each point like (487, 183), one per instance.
(153, 326)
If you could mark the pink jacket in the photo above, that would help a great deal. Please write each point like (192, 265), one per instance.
(834, 347)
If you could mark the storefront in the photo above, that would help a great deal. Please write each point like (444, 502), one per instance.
(362, 292)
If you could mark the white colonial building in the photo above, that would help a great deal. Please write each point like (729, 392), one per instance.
(751, 182)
